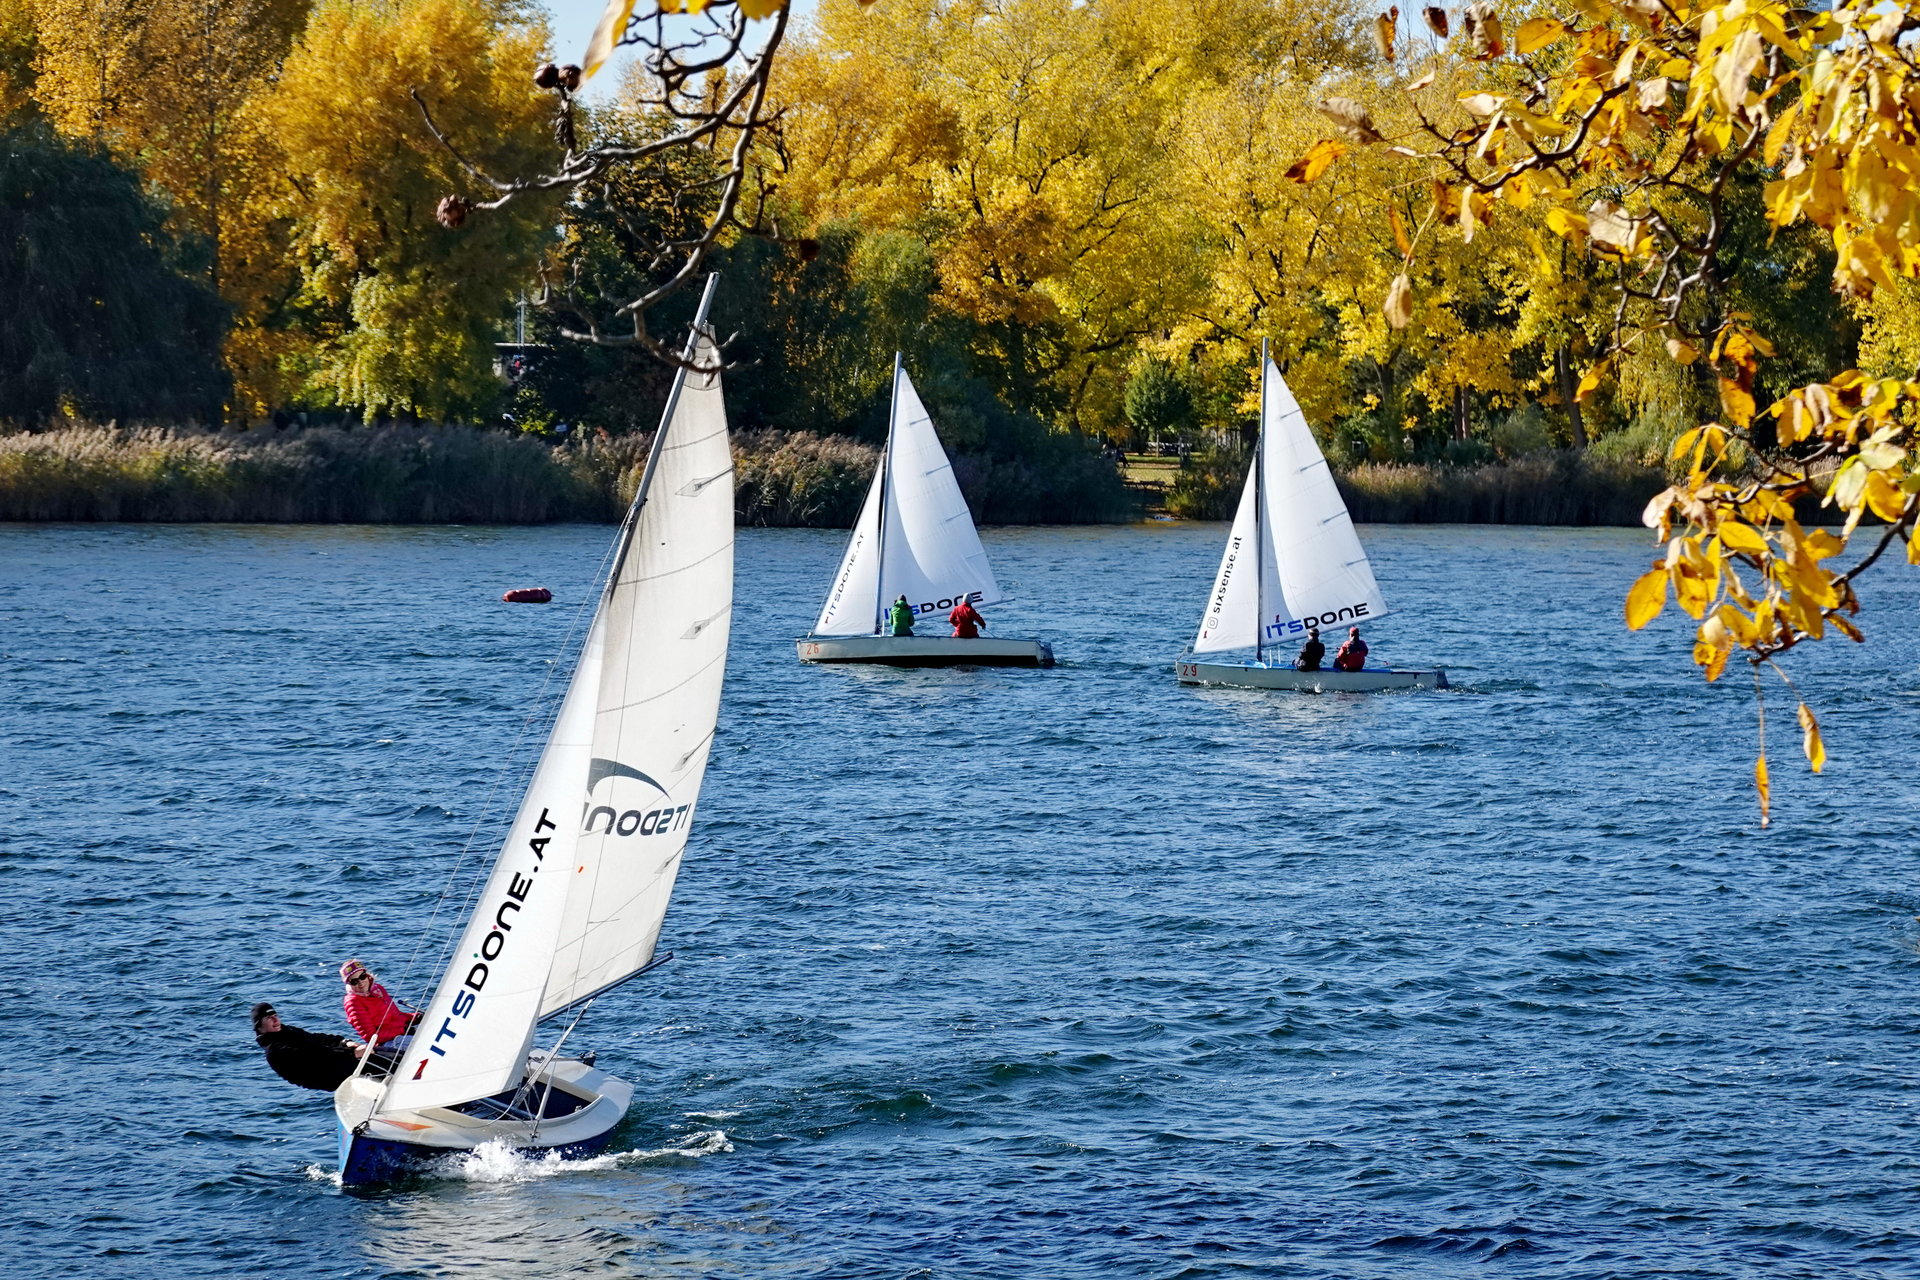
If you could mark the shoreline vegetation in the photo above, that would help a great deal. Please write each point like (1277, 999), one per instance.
(465, 475)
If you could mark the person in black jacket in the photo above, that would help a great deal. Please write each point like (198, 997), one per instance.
(306, 1058)
(1311, 652)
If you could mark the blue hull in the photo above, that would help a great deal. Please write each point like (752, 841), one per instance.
(365, 1161)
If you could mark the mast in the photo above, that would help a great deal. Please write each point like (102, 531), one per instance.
(1259, 520)
(880, 535)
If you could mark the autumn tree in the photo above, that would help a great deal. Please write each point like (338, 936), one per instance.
(402, 311)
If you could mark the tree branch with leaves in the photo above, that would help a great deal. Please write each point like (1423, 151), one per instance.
(1633, 129)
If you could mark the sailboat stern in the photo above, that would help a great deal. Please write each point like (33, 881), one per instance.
(569, 1110)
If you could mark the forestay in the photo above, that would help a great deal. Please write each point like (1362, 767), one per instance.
(1311, 568)
(573, 907)
(915, 536)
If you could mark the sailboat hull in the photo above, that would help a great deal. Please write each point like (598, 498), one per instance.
(579, 1110)
(926, 651)
(1261, 675)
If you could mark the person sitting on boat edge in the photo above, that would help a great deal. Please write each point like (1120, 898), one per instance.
(306, 1058)
(900, 617)
(1312, 653)
(966, 621)
(1353, 652)
(371, 1012)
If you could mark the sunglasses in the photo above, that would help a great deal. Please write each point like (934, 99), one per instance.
(363, 975)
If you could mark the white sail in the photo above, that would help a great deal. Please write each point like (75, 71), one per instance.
(1316, 571)
(668, 617)
(1293, 558)
(850, 608)
(929, 550)
(575, 901)
(915, 536)
(1229, 620)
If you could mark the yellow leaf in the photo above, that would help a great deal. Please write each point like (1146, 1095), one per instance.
(1777, 136)
(1320, 155)
(1646, 599)
(1400, 238)
(1399, 305)
(1682, 351)
(758, 9)
(612, 25)
(1737, 401)
(1538, 33)
(1590, 382)
(1383, 33)
(1848, 629)
(1810, 739)
(1518, 191)
(1760, 784)
(1884, 497)
(1481, 104)
(1567, 223)
(1742, 537)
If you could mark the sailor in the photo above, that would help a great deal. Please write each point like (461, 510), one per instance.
(900, 617)
(306, 1058)
(1353, 652)
(1312, 653)
(966, 621)
(371, 1012)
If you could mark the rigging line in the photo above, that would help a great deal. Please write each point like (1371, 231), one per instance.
(507, 770)
(540, 1112)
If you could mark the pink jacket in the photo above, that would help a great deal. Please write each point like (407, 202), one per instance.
(376, 1014)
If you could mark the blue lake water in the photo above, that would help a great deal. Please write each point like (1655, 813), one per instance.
(1074, 973)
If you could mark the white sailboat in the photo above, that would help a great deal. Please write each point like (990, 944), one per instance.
(914, 538)
(1292, 561)
(574, 903)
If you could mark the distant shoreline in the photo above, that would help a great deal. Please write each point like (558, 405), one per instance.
(462, 475)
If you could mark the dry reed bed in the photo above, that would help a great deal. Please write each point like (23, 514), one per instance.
(466, 475)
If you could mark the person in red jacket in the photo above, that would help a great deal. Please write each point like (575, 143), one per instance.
(1353, 652)
(371, 1011)
(966, 621)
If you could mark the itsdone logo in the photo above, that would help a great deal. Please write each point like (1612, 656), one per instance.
(636, 821)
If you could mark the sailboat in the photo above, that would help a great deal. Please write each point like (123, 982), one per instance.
(1292, 561)
(573, 905)
(914, 538)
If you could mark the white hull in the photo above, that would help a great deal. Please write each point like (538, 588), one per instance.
(1262, 675)
(925, 651)
(578, 1113)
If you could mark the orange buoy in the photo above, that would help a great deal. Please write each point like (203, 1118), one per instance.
(528, 595)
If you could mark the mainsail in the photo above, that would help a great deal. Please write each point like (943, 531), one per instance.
(575, 901)
(915, 536)
(1293, 558)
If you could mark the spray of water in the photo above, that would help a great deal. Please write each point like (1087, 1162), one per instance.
(497, 1162)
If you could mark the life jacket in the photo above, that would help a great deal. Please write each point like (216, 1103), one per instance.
(1352, 656)
(900, 619)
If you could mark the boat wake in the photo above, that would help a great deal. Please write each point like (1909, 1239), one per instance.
(497, 1162)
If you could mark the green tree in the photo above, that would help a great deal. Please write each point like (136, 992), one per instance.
(107, 321)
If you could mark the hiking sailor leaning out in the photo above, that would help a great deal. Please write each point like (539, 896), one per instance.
(306, 1058)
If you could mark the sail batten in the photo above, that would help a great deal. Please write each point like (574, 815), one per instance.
(575, 901)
